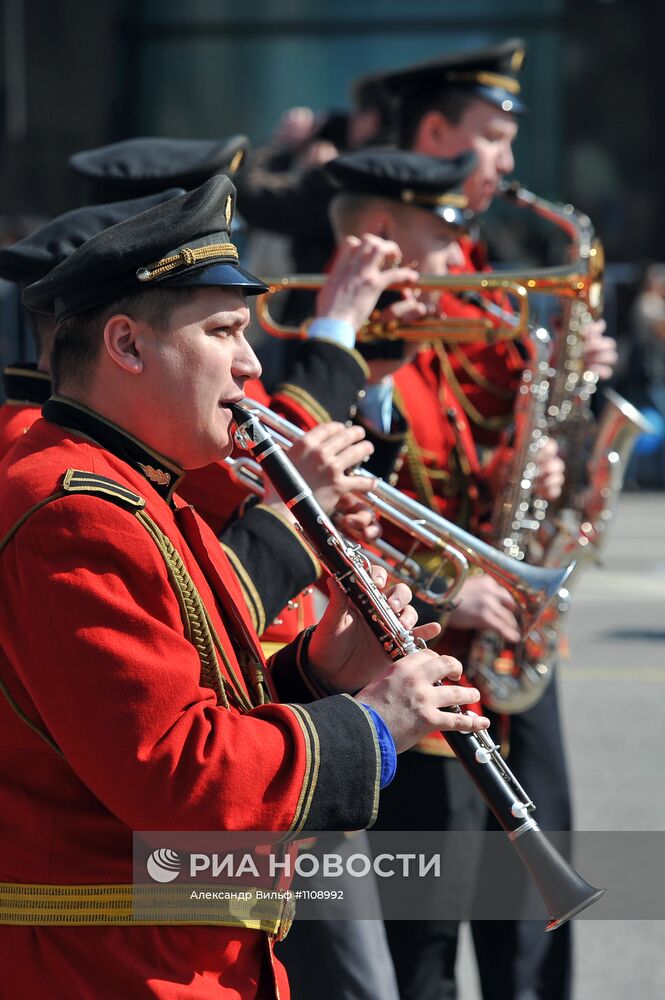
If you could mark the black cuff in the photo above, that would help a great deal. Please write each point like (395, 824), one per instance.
(325, 380)
(270, 560)
(343, 790)
(288, 670)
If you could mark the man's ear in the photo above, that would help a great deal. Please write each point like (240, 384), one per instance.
(432, 133)
(383, 224)
(122, 342)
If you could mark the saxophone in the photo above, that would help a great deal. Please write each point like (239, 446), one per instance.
(514, 684)
(596, 452)
(596, 455)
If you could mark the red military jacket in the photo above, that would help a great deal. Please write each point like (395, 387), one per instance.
(116, 716)
(485, 377)
(26, 390)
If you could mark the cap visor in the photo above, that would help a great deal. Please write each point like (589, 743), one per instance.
(229, 275)
(501, 99)
(458, 218)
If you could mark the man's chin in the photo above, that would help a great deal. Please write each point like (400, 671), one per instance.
(211, 457)
(481, 204)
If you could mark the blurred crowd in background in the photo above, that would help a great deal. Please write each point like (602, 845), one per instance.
(281, 74)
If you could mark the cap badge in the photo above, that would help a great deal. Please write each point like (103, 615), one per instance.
(516, 60)
(155, 475)
(454, 198)
(236, 161)
(228, 210)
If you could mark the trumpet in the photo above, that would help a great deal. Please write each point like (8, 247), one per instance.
(532, 587)
(454, 330)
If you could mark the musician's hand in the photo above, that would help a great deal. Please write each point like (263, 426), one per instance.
(357, 519)
(364, 267)
(323, 456)
(409, 309)
(295, 127)
(600, 352)
(344, 654)
(412, 702)
(551, 471)
(406, 312)
(316, 154)
(485, 604)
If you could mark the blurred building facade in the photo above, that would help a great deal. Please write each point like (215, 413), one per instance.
(77, 75)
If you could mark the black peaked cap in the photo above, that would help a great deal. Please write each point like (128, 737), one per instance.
(33, 257)
(181, 242)
(490, 73)
(410, 178)
(148, 164)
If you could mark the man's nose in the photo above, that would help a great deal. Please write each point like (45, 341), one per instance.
(246, 364)
(506, 160)
(455, 255)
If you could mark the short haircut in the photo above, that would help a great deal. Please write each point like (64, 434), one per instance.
(452, 102)
(370, 95)
(41, 327)
(78, 340)
(347, 208)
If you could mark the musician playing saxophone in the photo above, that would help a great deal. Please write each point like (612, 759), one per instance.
(458, 102)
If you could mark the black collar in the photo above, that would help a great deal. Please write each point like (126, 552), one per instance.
(22, 383)
(164, 476)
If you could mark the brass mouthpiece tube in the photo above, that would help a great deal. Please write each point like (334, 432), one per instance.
(450, 329)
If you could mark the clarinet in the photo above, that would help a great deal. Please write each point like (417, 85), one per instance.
(564, 892)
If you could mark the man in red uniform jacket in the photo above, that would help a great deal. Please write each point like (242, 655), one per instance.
(324, 376)
(140, 699)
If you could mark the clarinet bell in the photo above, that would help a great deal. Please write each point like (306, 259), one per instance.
(564, 892)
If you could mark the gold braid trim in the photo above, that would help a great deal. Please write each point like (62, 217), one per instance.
(185, 258)
(487, 423)
(312, 764)
(414, 460)
(485, 79)
(306, 400)
(39, 905)
(199, 629)
(478, 377)
(421, 198)
(251, 594)
(418, 471)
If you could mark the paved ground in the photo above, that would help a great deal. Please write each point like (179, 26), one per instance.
(613, 693)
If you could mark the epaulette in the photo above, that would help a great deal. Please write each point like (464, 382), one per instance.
(76, 481)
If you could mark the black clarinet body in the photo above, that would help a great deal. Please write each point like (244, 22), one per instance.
(564, 892)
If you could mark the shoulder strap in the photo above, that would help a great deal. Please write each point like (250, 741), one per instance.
(76, 481)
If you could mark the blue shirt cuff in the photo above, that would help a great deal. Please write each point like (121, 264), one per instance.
(386, 746)
(376, 406)
(337, 330)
